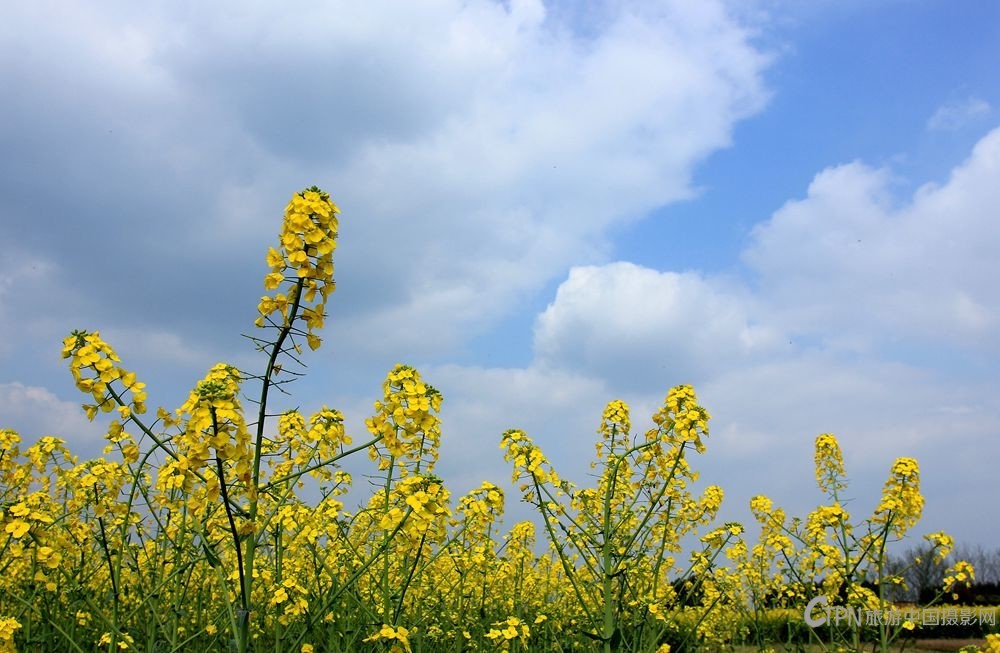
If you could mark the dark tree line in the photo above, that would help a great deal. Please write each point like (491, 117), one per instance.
(924, 575)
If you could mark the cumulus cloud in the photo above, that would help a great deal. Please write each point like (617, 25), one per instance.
(19, 270)
(850, 262)
(35, 411)
(639, 326)
(776, 359)
(568, 136)
(477, 149)
(560, 410)
(24, 277)
(157, 345)
(956, 115)
(828, 334)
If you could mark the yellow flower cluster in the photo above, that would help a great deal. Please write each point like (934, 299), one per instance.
(308, 239)
(504, 632)
(942, 543)
(324, 437)
(8, 628)
(682, 417)
(213, 424)
(290, 600)
(397, 637)
(901, 504)
(829, 464)
(326, 428)
(961, 572)
(124, 641)
(523, 533)
(33, 537)
(291, 426)
(615, 427)
(23, 516)
(11, 473)
(761, 508)
(718, 537)
(530, 465)
(406, 421)
(825, 517)
(704, 511)
(773, 534)
(483, 504)
(424, 507)
(94, 369)
(8, 440)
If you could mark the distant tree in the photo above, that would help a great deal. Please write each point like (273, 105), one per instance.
(922, 572)
(986, 562)
(924, 575)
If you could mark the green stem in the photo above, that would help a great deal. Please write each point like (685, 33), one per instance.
(243, 639)
(567, 567)
(607, 556)
(244, 595)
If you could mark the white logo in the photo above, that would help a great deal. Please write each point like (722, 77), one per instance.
(816, 622)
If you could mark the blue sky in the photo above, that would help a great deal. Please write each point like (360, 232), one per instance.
(545, 207)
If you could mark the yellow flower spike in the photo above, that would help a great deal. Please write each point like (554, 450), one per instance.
(901, 503)
(307, 241)
(94, 368)
(942, 544)
(8, 628)
(9, 439)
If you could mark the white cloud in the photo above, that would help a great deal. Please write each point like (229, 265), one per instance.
(922, 270)
(157, 345)
(34, 412)
(765, 417)
(847, 267)
(558, 409)
(560, 138)
(18, 268)
(477, 148)
(846, 262)
(639, 327)
(956, 115)
(23, 277)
